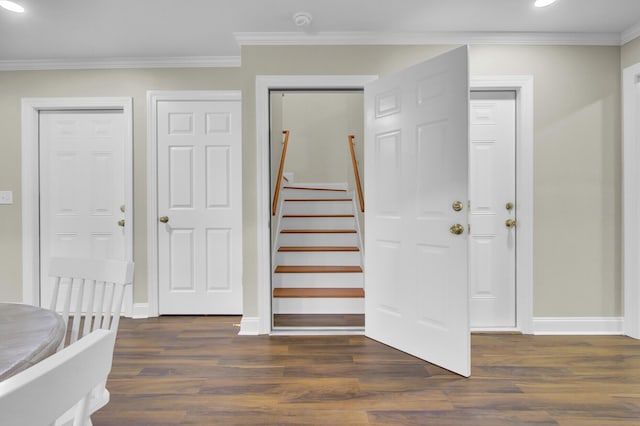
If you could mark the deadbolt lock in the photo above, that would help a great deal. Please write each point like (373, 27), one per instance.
(509, 206)
(456, 229)
(457, 206)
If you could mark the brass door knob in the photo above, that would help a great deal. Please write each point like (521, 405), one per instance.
(121, 222)
(510, 223)
(164, 219)
(457, 229)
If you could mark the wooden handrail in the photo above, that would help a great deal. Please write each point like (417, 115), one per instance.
(355, 171)
(276, 194)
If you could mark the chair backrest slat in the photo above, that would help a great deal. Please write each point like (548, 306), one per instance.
(88, 312)
(87, 307)
(75, 327)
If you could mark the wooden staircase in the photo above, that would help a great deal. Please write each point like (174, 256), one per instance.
(317, 274)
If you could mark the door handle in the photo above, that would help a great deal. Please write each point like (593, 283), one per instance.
(164, 219)
(510, 223)
(456, 229)
(121, 222)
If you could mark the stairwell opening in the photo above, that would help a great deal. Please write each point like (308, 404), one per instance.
(317, 231)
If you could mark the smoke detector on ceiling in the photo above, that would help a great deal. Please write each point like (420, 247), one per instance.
(302, 19)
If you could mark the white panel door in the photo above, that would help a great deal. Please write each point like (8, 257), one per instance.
(492, 190)
(416, 169)
(200, 195)
(82, 188)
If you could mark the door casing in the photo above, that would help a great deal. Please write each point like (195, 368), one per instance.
(521, 84)
(631, 199)
(31, 108)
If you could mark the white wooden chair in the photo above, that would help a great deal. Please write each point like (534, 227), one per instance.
(89, 292)
(61, 383)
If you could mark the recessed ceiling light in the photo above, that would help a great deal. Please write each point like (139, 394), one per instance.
(543, 3)
(9, 5)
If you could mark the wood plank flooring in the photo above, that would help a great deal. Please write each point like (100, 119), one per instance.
(197, 370)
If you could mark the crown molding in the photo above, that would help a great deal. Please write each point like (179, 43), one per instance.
(120, 63)
(423, 38)
(630, 33)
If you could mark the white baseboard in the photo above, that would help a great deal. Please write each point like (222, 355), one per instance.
(140, 310)
(578, 325)
(249, 326)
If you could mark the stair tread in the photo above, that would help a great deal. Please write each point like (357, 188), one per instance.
(317, 199)
(318, 292)
(312, 216)
(306, 188)
(317, 248)
(294, 269)
(318, 231)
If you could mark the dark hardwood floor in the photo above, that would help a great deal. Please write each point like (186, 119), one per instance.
(197, 370)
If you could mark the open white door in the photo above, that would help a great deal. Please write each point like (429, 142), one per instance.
(416, 280)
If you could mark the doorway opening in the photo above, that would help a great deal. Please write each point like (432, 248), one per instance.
(317, 216)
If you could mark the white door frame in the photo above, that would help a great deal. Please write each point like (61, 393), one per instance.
(153, 97)
(523, 85)
(31, 108)
(631, 199)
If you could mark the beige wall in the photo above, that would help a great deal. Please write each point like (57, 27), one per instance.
(129, 83)
(577, 258)
(320, 123)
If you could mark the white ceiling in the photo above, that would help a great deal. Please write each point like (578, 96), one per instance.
(77, 30)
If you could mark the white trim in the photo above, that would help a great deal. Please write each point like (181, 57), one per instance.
(631, 199)
(523, 85)
(264, 83)
(140, 310)
(31, 108)
(249, 326)
(578, 325)
(426, 38)
(120, 63)
(153, 97)
(630, 34)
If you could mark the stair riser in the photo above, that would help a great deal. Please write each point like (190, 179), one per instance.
(318, 306)
(302, 193)
(339, 240)
(318, 223)
(318, 258)
(319, 280)
(317, 207)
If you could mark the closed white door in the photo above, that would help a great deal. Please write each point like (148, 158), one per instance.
(492, 188)
(83, 185)
(416, 284)
(199, 207)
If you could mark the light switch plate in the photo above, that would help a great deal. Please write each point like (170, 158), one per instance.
(6, 197)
